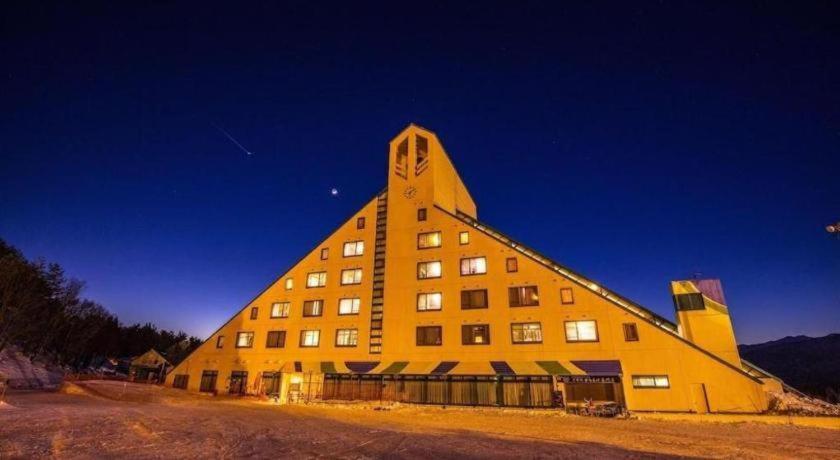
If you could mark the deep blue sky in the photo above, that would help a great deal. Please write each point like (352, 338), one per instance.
(636, 144)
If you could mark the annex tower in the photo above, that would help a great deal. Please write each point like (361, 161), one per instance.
(414, 299)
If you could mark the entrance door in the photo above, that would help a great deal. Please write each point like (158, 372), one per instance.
(271, 383)
(700, 399)
(238, 382)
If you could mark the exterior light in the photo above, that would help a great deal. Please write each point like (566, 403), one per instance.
(296, 379)
(833, 228)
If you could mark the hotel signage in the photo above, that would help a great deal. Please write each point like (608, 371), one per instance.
(586, 379)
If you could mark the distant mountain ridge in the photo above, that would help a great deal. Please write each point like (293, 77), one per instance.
(809, 364)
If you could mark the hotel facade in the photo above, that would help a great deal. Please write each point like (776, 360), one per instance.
(414, 299)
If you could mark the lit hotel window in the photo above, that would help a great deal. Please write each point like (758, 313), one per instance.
(346, 337)
(567, 296)
(429, 301)
(351, 276)
(244, 339)
(581, 331)
(313, 307)
(428, 240)
(349, 306)
(310, 338)
(280, 309)
(220, 341)
(354, 248)
(473, 266)
(511, 264)
(317, 279)
(464, 237)
(289, 284)
(526, 332)
(651, 381)
(426, 270)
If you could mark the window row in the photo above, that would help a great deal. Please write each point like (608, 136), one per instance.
(428, 240)
(468, 265)
(520, 333)
(308, 339)
(348, 276)
(518, 296)
(346, 306)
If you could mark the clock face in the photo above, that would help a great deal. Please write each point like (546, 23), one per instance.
(409, 192)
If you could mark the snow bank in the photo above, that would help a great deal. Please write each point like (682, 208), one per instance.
(791, 404)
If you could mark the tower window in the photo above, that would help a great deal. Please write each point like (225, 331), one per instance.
(401, 167)
(685, 302)
(422, 146)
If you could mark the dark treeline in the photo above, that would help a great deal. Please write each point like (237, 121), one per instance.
(43, 314)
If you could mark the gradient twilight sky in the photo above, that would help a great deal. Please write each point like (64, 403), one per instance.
(634, 143)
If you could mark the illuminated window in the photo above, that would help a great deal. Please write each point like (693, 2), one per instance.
(289, 284)
(464, 238)
(325, 253)
(474, 298)
(475, 334)
(428, 240)
(426, 270)
(310, 339)
(220, 341)
(349, 306)
(524, 296)
(631, 332)
(430, 301)
(429, 336)
(567, 296)
(651, 381)
(421, 214)
(526, 332)
(275, 339)
(360, 223)
(354, 248)
(473, 266)
(316, 279)
(351, 276)
(511, 264)
(581, 331)
(244, 339)
(346, 337)
(280, 309)
(255, 312)
(313, 307)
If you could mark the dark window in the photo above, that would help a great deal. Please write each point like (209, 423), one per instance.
(421, 214)
(475, 334)
(360, 223)
(475, 298)
(429, 335)
(220, 341)
(524, 296)
(313, 307)
(180, 381)
(567, 296)
(325, 253)
(631, 333)
(254, 312)
(208, 381)
(512, 264)
(422, 145)
(276, 339)
(689, 302)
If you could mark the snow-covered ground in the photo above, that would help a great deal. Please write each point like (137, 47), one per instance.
(98, 418)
